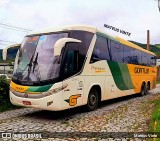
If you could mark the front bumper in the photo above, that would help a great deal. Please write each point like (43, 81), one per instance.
(52, 102)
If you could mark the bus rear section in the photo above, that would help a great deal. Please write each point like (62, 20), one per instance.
(119, 68)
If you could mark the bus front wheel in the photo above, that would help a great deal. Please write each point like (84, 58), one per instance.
(92, 102)
(143, 90)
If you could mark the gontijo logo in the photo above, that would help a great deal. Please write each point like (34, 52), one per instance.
(73, 99)
(18, 88)
(141, 70)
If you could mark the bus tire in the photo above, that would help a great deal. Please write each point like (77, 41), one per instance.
(143, 90)
(93, 100)
(148, 87)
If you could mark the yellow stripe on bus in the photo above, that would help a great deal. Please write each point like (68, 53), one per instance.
(127, 43)
(138, 77)
(18, 88)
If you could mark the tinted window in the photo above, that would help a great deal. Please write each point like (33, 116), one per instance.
(144, 59)
(36, 58)
(117, 51)
(151, 60)
(74, 54)
(100, 51)
(71, 63)
(11, 53)
(137, 57)
(128, 55)
(85, 37)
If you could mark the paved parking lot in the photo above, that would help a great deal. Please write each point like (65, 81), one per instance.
(129, 114)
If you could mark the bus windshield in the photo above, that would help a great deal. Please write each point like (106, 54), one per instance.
(36, 61)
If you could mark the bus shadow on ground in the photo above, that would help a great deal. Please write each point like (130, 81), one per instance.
(70, 113)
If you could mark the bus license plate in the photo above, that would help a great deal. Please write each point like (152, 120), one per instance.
(26, 102)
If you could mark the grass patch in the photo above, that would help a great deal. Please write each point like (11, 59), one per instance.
(155, 121)
(158, 82)
(158, 46)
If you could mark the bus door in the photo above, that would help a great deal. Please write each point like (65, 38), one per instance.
(72, 95)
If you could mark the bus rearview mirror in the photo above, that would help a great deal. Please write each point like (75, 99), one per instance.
(59, 45)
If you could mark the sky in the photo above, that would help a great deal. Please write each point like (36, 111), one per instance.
(135, 17)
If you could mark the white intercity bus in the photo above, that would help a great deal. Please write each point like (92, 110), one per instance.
(58, 69)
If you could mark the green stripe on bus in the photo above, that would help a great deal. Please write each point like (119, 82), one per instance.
(117, 75)
(32, 88)
(39, 88)
(126, 75)
(121, 75)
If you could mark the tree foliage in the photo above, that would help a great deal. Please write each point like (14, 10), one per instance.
(4, 91)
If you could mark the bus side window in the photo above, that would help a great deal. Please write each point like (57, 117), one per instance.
(149, 60)
(152, 60)
(137, 57)
(128, 55)
(117, 51)
(144, 58)
(100, 51)
(71, 62)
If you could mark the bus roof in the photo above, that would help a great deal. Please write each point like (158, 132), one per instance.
(88, 28)
(13, 45)
(125, 42)
(130, 44)
(92, 29)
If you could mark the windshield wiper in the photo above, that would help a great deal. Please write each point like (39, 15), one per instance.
(35, 63)
(32, 67)
(29, 65)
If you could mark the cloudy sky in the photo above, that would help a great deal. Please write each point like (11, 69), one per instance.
(136, 17)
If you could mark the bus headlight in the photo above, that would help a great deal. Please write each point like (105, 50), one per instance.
(56, 90)
(38, 94)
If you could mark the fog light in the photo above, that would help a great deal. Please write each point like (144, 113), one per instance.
(49, 103)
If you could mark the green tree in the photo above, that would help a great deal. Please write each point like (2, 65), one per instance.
(4, 91)
(5, 103)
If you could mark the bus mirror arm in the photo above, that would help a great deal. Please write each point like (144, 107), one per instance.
(60, 44)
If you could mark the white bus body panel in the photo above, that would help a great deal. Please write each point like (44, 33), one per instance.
(41, 103)
(104, 79)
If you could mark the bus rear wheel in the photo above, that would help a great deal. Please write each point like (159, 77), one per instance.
(92, 102)
(143, 90)
(148, 87)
